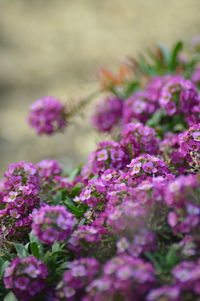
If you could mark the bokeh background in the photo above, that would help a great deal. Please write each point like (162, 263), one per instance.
(54, 47)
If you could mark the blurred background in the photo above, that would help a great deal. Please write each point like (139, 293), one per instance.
(54, 47)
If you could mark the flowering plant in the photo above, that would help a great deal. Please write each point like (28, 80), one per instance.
(125, 226)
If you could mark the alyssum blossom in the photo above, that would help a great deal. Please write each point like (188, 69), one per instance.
(47, 115)
(52, 223)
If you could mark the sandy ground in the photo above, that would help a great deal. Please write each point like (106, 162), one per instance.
(54, 47)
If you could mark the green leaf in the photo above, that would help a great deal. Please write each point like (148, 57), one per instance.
(156, 118)
(33, 237)
(64, 265)
(58, 197)
(82, 222)
(132, 87)
(174, 55)
(3, 267)
(55, 247)
(21, 250)
(76, 190)
(165, 52)
(171, 257)
(10, 297)
(152, 258)
(158, 62)
(74, 173)
(77, 210)
(35, 250)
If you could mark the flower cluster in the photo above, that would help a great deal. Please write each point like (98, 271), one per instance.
(137, 139)
(48, 169)
(181, 195)
(154, 88)
(107, 114)
(94, 194)
(20, 195)
(190, 140)
(108, 155)
(126, 225)
(187, 276)
(196, 76)
(87, 238)
(80, 273)
(179, 95)
(138, 107)
(52, 223)
(143, 241)
(25, 277)
(120, 275)
(170, 150)
(144, 167)
(47, 115)
(166, 292)
(142, 104)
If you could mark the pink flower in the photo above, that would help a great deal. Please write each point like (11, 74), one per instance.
(102, 155)
(172, 219)
(149, 168)
(47, 115)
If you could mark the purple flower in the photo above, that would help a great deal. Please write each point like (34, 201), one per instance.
(52, 223)
(149, 168)
(48, 169)
(109, 155)
(20, 196)
(21, 283)
(196, 76)
(136, 168)
(107, 114)
(47, 115)
(144, 166)
(138, 139)
(190, 141)
(119, 276)
(102, 155)
(179, 95)
(166, 292)
(180, 195)
(75, 280)
(25, 277)
(136, 107)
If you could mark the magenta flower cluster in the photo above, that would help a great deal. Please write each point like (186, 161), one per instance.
(107, 114)
(87, 238)
(48, 169)
(119, 276)
(182, 149)
(181, 195)
(47, 115)
(190, 140)
(94, 193)
(80, 273)
(179, 95)
(126, 225)
(196, 76)
(52, 223)
(137, 139)
(172, 93)
(109, 154)
(26, 277)
(138, 107)
(19, 197)
(144, 167)
(185, 284)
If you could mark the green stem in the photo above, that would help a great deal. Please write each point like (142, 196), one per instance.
(83, 103)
